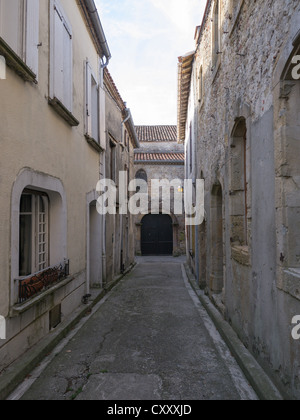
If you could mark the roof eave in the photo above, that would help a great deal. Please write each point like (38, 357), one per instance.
(185, 67)
(95, 27)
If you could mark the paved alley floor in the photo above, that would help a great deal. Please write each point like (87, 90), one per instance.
(150, 339)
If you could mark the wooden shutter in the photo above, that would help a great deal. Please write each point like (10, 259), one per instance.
(92, 104)
(11, 24)
(88, 96)
(32, 34)
(67, 66)
(95, 109)
(61, 66)
(58, 55)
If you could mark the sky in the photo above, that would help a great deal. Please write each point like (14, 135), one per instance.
(145, 38)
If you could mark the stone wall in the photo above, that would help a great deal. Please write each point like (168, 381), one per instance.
(163, 171)
(244, 130)
(119, 227)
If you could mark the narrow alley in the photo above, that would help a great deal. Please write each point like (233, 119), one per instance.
(149, 339)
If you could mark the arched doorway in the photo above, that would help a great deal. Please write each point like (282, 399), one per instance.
(94, 247)
(217, 268)
(157, 235)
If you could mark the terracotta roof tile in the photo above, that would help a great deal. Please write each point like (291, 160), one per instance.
(113, 90)
(156, 133)
(159, 157)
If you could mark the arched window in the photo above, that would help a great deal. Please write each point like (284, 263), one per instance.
(142, 175)
(38, 226)
(290, 168)
(238, 184)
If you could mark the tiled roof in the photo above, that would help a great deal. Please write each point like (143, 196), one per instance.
(152, 133)
(185, 67)
(113, 90)
(165, 158)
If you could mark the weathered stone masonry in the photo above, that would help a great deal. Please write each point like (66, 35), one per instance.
(243, 117)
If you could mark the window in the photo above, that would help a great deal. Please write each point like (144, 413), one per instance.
(92, 105)
(33, 242)
(142, 187)
(216, 40)
(289, 174)
(239, 184)
(19, 28)
(45, 225)
(141, 174)
(61, 85)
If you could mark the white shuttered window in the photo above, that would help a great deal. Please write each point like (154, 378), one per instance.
(61, 57)
(92, 104)
(19, 28)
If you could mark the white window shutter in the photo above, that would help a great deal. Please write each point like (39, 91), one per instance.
(102, 119)
(67, 67)
(61, 67)
(32, 34)
(95, 110)
(88, 98)
(88, 89)
(58, 56)
(11, 24)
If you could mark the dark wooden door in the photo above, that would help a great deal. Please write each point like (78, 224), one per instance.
(157, 235)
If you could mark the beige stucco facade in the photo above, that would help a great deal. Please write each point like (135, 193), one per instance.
(44, 151)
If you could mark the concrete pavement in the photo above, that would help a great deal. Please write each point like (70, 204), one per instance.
(150, 339)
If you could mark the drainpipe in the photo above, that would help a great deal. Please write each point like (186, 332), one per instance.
(128, 116)
(104, 231)
(197, 256)
(132, 127)
(94, 17)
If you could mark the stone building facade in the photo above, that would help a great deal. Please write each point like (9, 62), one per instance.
(54, 145)
(121, 140)
(239, 97)
(160, 157)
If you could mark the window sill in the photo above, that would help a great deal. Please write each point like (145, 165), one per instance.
(63, 112)
(19, 309)
(241, 254)
(16, 63)
(93, 143)
(291, 282)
